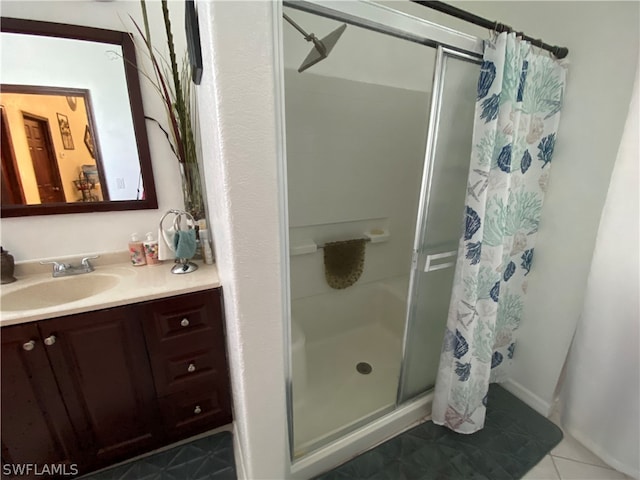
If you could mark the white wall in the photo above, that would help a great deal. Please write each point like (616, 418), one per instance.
(55, 236)
(602, 388)
(239, 142)
(354, 161)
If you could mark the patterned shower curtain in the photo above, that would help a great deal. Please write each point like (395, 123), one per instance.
(520, 94)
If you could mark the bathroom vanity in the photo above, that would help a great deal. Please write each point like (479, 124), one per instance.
(105, 384)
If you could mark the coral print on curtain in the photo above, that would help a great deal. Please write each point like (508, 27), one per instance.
(520, 94)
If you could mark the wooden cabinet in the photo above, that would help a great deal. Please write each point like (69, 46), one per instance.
(99, 387)
(103, 374)
(187, 350)
(35, 425)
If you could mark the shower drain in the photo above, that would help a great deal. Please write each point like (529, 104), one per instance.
(364, 368)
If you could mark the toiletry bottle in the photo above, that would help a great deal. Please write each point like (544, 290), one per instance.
(151, 250)
(7, 266)
(206, 246)
(200, 225)
(136, 251)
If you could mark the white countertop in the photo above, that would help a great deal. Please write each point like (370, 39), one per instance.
(133, 285)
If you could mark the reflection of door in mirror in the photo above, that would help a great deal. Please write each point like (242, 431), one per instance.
(11, 187)
(51, 167)
(43, 159)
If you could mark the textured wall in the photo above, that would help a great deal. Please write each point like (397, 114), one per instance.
(238, 121)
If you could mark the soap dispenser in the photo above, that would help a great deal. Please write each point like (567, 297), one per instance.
(7, 267)
(151, 250)
(136, 251)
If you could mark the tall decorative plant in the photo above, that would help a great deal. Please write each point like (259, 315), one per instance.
(173, 83)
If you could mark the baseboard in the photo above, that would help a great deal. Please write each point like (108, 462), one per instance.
(538, 404)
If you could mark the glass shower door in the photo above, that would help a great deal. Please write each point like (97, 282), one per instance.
(440, 219)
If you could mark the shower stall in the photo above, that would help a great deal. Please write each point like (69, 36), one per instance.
(378, 132)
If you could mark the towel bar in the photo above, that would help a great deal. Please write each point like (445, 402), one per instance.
(365, 239)
(182, 265)
(307, 246)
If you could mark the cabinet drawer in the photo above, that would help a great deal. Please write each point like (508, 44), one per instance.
(182, 371)
(194, 410)
(182, 320)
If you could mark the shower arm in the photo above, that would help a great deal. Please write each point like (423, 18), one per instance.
(308, 37)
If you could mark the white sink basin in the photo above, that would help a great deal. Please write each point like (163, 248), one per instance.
(57, 291)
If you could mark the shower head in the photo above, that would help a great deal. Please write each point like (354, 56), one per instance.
(321, 48)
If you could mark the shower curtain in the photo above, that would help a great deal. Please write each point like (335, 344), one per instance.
(520, 94)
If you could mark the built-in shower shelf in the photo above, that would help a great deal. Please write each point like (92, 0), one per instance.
(303, 249)
(377, 235)
(309, 246)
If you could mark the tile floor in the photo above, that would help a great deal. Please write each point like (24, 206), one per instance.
(571, 461)
(568, 460)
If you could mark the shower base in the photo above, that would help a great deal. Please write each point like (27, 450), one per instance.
(337, 398)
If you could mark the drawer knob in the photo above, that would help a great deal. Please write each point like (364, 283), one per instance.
(184, 322)
(30, 345)
(197, 410)
(191, 368)
(50, 340)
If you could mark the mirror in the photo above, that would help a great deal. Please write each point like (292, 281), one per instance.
(73, 129)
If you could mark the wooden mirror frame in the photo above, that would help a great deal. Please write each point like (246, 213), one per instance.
(122, 39)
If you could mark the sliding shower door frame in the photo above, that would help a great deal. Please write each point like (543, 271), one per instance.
(423, 206)
(439, 75)
(382, 19)
(388, 21)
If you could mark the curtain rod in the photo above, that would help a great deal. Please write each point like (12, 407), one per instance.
(558, 52)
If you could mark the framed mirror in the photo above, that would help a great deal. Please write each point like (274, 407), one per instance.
(73, 134)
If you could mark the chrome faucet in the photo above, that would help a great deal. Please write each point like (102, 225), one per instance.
(66, 269)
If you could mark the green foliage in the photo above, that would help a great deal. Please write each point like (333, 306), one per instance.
(511, 76)
(482, 342)
(494, 222)
(470, 287)
(173, 83)
(519, 146)
(544, 87)
(501, 139)
(477, 287)
(467, 396)
(484, 150)
(523, 213)
(509, 311)
(487, 278)
(488, 148)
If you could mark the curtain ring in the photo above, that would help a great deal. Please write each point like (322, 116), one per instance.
(493, 32)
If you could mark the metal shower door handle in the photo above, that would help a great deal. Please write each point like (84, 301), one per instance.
(430, 267)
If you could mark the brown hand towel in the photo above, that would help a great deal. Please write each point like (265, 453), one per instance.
(343, 262)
